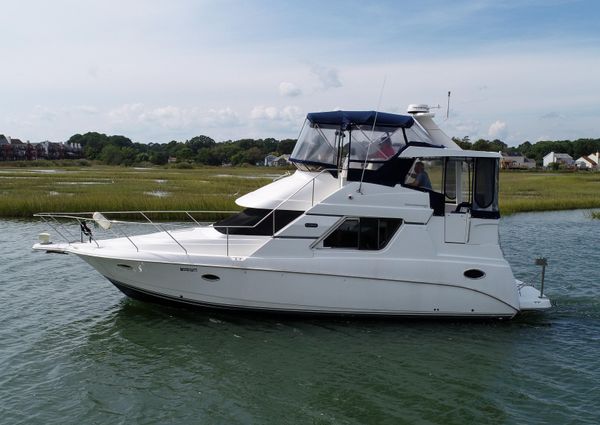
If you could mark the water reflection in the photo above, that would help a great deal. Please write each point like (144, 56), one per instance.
(352, 370)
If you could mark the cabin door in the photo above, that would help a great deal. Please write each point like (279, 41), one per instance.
(457, 186)
(456, 227)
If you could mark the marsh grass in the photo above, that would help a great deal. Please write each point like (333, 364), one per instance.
(25, 191)
(595, 215)
(542, 191)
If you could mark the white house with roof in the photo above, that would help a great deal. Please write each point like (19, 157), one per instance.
(589, 162)
(559, 158)
(277, 161)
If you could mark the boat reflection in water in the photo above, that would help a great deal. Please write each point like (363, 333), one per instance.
(385, 215)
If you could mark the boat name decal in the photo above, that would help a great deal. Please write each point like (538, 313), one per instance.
(188, 269)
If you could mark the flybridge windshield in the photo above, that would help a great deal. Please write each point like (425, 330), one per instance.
(331, 142)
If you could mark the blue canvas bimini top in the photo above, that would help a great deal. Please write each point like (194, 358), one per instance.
(348, 118)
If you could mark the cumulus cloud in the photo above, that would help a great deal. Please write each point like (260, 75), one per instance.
(328, 77)
(173, 117)
(277, 121)
(498, 130)
(168, 116)
(127, 113)
(289, 89)
(271, 113)
(264, 113)
(226, 117)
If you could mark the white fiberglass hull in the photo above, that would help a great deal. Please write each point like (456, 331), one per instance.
(295, 292)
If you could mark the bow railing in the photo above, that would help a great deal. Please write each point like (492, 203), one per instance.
(87, 223)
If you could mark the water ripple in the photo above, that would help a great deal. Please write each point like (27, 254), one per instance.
(74, 350)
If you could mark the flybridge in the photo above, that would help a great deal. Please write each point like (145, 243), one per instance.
(333, 139)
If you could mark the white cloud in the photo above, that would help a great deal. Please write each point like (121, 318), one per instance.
(173, 117)
(271, 113)
(328, 77)
(127, 113)
(168, 116)
(277, 122)
(498, 130)
(264, 113)
(221, 118)
(289, 89)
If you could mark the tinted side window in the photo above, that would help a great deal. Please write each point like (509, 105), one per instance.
(345, 236)
(450, 180)
(363, 233)
(485, 175)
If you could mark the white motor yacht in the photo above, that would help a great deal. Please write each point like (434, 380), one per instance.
(384, 216)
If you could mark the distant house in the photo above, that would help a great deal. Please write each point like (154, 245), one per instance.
(269, 160)
(19, 149)
(563, 159)
(589, 162)
(14, 149)
(5, 148)
(73, 150)
(516, 161)
(277, 161)
(51, 150)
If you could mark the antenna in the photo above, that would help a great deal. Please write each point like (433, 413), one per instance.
(448, 107)
(362, 176)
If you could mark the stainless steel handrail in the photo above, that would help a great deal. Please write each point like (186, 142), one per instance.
(87, 217)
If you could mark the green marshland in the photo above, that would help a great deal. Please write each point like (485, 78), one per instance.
(27, 190)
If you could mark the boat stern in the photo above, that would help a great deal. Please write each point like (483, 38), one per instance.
(531, 299)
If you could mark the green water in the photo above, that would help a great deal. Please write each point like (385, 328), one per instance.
(74, 350)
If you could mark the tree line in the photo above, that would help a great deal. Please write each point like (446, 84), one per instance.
(537, 151)
(120, 150)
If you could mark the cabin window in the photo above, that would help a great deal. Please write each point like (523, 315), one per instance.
(363, 233)
(485, 182)
(255, 221)
(450, 180)
(416, 134)
(457, 180)
(426, 173)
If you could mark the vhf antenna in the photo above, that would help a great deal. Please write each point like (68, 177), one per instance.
(362, 176)
(448, 107)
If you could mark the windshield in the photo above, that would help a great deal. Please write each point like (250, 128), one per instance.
(316, 145)
(322, 146)
(378, 145)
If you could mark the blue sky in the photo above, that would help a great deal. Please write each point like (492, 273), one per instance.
(162, 70)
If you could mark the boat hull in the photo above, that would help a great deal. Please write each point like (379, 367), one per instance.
(253, 289)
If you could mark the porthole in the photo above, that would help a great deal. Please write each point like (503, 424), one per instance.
(211, 277)
(474, 274)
